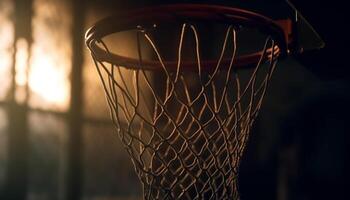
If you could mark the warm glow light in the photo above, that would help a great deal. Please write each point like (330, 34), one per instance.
(50, 56)
(47, 70)
(49, 81)
(6, 46)
(21, 70)
(21, 62)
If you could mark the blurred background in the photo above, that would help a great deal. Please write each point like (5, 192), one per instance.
(57, 142)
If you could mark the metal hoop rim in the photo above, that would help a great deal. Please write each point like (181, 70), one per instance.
(185, 12)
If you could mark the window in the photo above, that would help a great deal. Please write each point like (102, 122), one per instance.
(39, 63)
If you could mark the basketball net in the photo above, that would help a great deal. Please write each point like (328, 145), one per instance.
(186, 129)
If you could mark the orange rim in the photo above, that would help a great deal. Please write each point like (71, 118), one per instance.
(183, 13)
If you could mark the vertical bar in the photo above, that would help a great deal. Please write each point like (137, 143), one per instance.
(18, 145)
(16, 180)
(75, 139)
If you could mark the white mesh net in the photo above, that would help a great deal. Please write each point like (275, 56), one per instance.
(185, 129)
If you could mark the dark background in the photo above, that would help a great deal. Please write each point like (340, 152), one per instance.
(313, 132)
(297, 147)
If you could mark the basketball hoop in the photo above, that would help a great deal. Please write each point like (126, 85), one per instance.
(185, 121)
